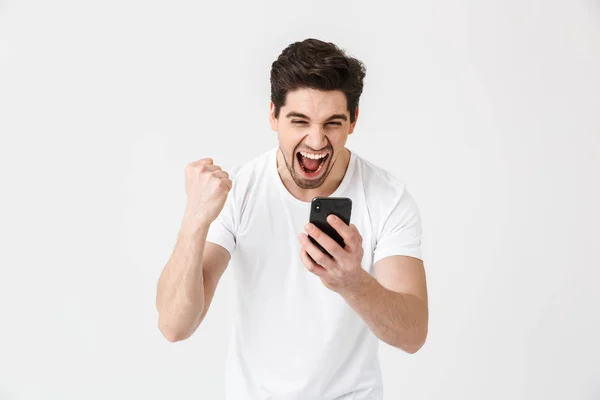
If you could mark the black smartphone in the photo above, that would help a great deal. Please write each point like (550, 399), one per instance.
(321, 208)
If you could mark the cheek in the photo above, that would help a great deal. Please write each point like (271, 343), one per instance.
(338, 138)
(287, 141)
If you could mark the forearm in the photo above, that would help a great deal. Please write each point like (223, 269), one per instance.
(399, 319)
(180, 292)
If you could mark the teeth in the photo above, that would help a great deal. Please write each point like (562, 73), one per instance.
(313, 156)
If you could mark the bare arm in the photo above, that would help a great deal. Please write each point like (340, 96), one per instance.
(394, 305)
(188, 282)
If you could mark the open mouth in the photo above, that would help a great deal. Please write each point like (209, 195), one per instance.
(311, 164)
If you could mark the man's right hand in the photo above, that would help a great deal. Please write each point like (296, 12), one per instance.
(207, 187)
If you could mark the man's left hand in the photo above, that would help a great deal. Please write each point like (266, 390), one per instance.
(344, 271)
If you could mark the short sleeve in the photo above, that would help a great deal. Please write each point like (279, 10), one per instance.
(222, 231)
(401, 231)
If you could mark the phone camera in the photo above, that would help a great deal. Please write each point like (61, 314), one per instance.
(317, 206)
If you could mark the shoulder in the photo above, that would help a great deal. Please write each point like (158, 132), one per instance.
(391, 206)
(379, 184)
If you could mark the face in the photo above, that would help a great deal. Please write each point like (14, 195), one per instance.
(312, 128)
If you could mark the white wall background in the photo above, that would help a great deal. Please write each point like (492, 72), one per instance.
(489, 110)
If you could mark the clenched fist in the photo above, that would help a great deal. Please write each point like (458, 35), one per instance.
(207, 187)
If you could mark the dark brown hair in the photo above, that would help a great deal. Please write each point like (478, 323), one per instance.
(319, 65)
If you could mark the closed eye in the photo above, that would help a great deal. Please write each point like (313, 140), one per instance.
(296, 122)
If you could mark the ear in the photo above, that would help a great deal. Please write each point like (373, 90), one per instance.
(272, 119)
(353, 125)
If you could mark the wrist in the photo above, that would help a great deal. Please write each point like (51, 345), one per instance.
(362, 286)
(194, 225)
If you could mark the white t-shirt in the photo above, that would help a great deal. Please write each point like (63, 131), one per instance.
(292, 337)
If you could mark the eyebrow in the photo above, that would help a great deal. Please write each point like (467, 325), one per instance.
(292, 114)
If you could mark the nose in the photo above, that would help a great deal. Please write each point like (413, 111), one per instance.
(316, 138)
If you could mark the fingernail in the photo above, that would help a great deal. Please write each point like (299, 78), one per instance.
(332, 218)
(309, 227)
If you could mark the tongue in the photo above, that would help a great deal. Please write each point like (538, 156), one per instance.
(310, 164)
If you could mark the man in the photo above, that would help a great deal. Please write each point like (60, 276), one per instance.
(305, 327)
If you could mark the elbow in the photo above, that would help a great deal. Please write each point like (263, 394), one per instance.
(175, 328)
(411, 348)
(173, 336)
(414, 345)
(419, 336)
(172, 333)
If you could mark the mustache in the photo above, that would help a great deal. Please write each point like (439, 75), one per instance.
(324, 150)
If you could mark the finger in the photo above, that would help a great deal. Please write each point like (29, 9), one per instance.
(317, 255)
(221, 174)
(195, 168)
(310, 265)
(208, 167)
(350, 235)
(326, 241)
(358, 236)
(204, 161)
(226, 183)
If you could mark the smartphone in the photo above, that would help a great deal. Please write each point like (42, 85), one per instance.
(321, 208)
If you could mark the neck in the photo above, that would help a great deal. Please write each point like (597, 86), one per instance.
(332, 182)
